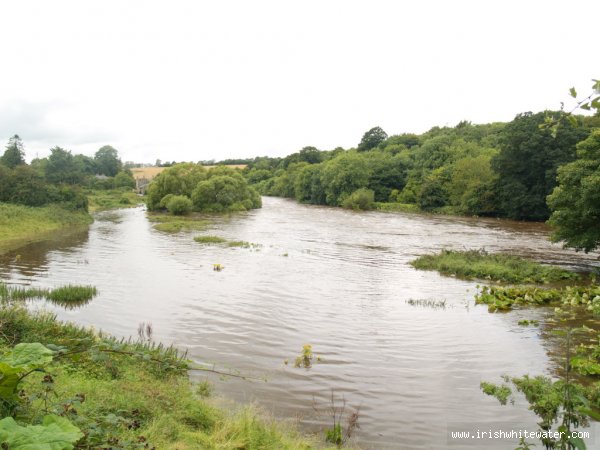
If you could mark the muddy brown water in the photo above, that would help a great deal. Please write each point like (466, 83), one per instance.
(335, 279)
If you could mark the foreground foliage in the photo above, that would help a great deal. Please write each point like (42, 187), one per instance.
(77, 389)
(491, 266)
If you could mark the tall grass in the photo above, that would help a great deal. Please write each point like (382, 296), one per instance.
(492, 266)
(69, 295)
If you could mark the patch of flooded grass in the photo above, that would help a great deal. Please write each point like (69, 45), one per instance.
(427, 303)
(66, 296)
(210, 239)
(492, 266)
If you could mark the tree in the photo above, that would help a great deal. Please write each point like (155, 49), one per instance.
(372, 139)
(575, 202)
(107, 161)
(14, 155)
(527, 163)
(62, 167)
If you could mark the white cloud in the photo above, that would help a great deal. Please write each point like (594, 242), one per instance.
(191, 80)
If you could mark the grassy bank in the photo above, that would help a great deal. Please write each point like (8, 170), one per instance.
(117, 394)
(491, 266)
(102, 200)
(20, 225)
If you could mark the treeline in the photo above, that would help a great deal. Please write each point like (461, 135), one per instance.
(60, 177)
(498, 169)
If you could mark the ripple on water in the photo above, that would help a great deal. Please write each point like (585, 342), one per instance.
(343, 288)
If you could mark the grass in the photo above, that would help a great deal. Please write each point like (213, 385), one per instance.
(398, 207)
(20, 225)
(67, 296)
(210, 239)
(219, 240)
(243, 244)
(174, 224)
(102, 200)
(491, 266)
(119, 400)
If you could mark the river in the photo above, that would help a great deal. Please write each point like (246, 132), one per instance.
(336, 279)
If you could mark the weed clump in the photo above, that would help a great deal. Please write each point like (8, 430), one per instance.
(491, 266)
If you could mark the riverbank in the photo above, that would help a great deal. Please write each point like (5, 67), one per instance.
(103, 200)
(20, 225)
(117, 393)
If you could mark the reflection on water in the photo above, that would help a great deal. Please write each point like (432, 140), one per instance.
(335, 279)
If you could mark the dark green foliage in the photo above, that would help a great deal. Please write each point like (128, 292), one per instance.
(527, 165)
(179, 205)
(576, 200)
(372, 139)
(107, 161)
(343, 175)
(14, 155)
(62, 167)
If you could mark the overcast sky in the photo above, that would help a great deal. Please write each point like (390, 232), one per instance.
(194, 80)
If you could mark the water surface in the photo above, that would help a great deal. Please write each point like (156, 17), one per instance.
(335, 279)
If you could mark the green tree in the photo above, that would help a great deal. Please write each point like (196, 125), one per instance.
(527, 164)
(107, 161)
(14, 155)
(372, 139)
(62, 167)
(343, 175)
(222, 193)
(575, 202)
(180, 179)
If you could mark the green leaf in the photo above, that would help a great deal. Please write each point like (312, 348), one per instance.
(573, 92)
(585, 106)
(9, 379)
(591, 413)
(577, 443)
(55, 433)
(28, 356)
(572, 120)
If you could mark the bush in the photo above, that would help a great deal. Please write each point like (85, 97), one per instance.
(361, 199)
(179, 205)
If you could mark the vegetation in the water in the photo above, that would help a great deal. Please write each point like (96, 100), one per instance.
(526, 323)
(427, 303)
(175, 224)
(67, 296)
(210, 239)
(221, 189)
(218, 267)
(305, 359)
(492, 266)
(397, 207)
(243, 244)
(501, 298)
(66, 387)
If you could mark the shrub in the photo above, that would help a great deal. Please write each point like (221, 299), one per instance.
(179, 205)
(361, 199)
